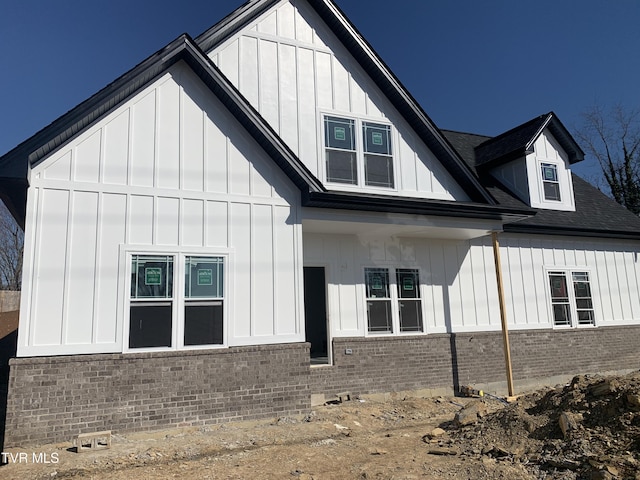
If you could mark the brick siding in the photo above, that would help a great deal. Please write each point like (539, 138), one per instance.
(55, 398)
(388, 364)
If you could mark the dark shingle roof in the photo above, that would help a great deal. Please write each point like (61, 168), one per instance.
(596, 214)
(511, 144)
(518, 142)
(465, 144)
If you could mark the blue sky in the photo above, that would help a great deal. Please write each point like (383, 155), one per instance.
(481, 67)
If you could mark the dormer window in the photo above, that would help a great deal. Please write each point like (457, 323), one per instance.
(346, 157)
(550, 182)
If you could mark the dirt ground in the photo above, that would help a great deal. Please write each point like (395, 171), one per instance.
(587, 429)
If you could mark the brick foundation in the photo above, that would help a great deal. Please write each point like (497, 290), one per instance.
(56, 398)
(392, 364)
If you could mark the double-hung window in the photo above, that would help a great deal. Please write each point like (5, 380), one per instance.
(340, 143)
(364, 159)
(161, 315)
(571, 299)
(151, 304)
(203, 300)
(378, 161)
(378, 300)
(393, 308)
(550, 183)
(409, 302)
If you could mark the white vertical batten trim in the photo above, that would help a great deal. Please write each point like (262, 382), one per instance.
(96, 267)
(65, 284)
(28, 301)
(274, 268)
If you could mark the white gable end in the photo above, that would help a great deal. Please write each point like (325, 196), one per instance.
(549, 175)
(296, 73)
(170, 172)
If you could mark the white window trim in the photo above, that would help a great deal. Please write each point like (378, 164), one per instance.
(395, 304)
(178, 299)
(558, 181)
(568, 271)
(359, 120)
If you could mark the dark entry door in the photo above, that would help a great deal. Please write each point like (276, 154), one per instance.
(315, 311)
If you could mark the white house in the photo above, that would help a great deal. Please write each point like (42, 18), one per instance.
(264, 214)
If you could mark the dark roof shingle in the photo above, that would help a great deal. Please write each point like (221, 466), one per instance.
(596, 214)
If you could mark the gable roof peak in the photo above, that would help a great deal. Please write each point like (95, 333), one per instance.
(518, 142)
(372, 64)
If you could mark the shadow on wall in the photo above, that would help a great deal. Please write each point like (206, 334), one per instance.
(8, 343)
(440, 262)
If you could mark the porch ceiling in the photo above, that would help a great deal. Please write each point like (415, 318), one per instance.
(373, 224)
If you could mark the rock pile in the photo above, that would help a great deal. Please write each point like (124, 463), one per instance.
(588, 429)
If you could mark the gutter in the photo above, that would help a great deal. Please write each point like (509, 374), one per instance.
(391, 204)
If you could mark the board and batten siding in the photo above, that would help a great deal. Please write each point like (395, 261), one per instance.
(546, 149)
(293, 69)
(458, 281)
(169, 171)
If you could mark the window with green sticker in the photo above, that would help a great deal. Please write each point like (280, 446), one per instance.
(151, 301)
(340, 150)
(161, 316)
(348, 154)
(378, 161)
(393, 308)
(409, 303)
(203, 304)
(550, 183)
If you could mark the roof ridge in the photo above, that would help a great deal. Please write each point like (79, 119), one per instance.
(518, 127)
(465, 133)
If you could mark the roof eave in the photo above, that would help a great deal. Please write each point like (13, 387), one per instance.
(418, 206)
(15, 164)
(559, 131)
(569, 231)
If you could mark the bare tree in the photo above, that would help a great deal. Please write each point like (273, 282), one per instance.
(11, 249)
(613, 138)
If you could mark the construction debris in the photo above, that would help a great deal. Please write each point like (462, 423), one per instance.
(587, 429)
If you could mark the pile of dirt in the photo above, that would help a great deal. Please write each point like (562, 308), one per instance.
(589, 428)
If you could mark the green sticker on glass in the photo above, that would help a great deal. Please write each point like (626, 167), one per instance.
(407, 283)
(205, 276)
(376, 138)
(549, 173)
(340, 133)
(376, 282)
(153, 276)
